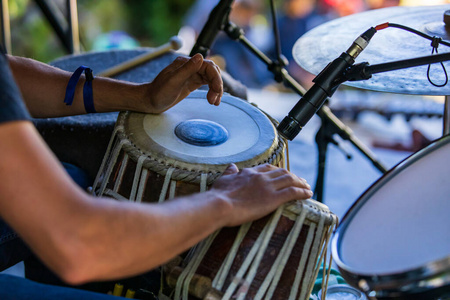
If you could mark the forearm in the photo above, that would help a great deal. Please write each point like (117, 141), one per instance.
(123, 239)
(43, 88)
(84, 238)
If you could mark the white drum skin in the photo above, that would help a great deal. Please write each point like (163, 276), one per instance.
(251, 134)
(397, 232)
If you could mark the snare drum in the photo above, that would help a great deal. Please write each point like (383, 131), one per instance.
(152, 158)
(394, 242)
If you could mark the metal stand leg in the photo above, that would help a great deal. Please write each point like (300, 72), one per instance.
(65, 27)
(6, 30)
(73, 32)
(446, 127)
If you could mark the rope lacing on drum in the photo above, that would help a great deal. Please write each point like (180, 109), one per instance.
(275, 272)
(313, 255)
(165, 186)
(104, 161)
(326, 270)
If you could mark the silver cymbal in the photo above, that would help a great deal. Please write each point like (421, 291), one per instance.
(321, 45)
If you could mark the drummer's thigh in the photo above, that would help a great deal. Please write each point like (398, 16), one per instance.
(13, 287)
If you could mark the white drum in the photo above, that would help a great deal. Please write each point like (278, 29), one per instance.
(394, 242)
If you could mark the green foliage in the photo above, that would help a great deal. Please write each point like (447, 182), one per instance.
(31, 35)
(151, 22)
(17, 7)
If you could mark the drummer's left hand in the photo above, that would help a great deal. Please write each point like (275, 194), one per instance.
(183, 76)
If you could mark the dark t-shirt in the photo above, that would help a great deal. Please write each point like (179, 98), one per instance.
(12, 107)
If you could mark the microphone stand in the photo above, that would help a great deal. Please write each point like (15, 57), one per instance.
(330, 123)
(364, 70)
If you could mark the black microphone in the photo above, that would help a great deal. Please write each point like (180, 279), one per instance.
(217, 20)
(325, 84)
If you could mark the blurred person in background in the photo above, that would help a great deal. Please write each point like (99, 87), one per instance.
(234, 57)
(376, 4)
(342, 8)
(296, 18)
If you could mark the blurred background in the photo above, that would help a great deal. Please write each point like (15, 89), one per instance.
(107, 24)
(125, 24)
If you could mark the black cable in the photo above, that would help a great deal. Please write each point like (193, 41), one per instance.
(429, 37)
(434, 44)
(435, 41)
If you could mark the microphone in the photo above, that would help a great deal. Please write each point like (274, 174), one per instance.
(216, 21)
(325, 84)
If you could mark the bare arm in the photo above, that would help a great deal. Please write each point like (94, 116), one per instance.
(83, 238)
(43, 88)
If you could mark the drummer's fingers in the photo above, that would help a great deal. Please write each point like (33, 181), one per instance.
(186, 67)
(231, 169)
(210, 74)
(277, 172)
(265, 168)
(289, 179)
(196, 72)
(293, 193)
(283, 172)
(177, 63)
(213, 97)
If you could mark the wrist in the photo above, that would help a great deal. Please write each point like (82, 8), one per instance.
(115, 95)
(223, 207)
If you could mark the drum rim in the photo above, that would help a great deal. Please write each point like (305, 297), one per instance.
(420, 278)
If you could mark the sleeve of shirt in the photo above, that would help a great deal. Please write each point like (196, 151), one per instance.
(12, 107)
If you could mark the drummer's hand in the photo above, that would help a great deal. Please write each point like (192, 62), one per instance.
(255, 192)
(179, 79)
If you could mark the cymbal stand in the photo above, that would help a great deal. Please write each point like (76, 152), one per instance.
(446, 127)
(330, 123)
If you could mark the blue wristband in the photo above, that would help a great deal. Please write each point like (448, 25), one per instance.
(88, 96)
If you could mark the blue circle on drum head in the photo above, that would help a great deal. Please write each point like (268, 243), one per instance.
(200, 132)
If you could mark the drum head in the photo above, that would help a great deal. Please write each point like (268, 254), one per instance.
(195, 134)
(400, 225)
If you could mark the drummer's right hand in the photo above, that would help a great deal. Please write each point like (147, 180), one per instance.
(178, 80)
(255, 192)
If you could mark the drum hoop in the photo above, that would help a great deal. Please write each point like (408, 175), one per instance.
(418, 278)
(414, 281)
(190, 172)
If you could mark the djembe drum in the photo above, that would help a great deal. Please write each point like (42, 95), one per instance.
(151, 158)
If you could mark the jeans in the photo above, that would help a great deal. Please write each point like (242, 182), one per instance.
(44, 284)
(14, 287)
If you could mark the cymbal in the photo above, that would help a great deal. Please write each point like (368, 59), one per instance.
(321, 45)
